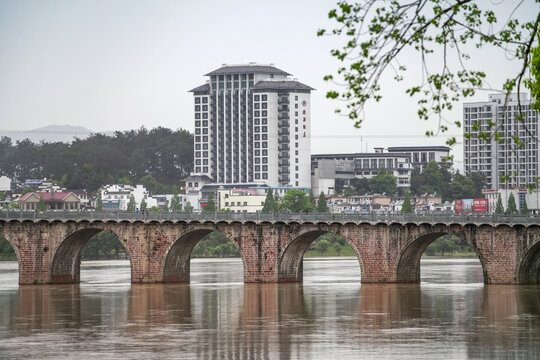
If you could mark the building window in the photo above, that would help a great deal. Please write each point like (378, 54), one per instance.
(197, 116)
(197, 107)
(263, 98)
(265, 176)
(197, 100)
(257, 97)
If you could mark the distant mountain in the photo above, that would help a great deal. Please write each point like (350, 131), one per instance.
(49, 133)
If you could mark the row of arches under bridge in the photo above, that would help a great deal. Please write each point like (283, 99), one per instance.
(66, 257)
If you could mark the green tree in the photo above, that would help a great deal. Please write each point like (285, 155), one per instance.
(125, 181)
(524, 208)
(27, 190)
(337, 248)
(210, 204)
(270, 204)
(313, 205)
(499, 209)
(407, 208)
(322, 206)
(444, 244)
(143, 205)
(434, 179)
(377, 34)
(480, 184)
(511, 208)
(188, 208)
(383, 183)
(322, 246)
(175, 204)
(296, 201)
(41, 204)
(131, 204)
(461, 187)
(99, 202)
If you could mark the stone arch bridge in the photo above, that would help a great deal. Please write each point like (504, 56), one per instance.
(388, 247)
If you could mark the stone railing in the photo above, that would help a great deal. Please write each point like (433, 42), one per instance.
(271, 217)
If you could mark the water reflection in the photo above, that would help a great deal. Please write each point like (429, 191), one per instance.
(106, 317)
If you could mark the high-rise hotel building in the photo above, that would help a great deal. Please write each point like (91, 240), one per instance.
(494, 159)
(252, 125)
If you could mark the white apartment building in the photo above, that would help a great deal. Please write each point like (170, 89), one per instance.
(326, 168)
(252, 125)
(494, 159)
(5, 183)
(421, 155)
(117, 196)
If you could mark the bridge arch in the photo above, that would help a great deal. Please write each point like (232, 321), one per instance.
(290, 263)
(66, 261)
(176, 266)
(528, 269)
(408, 262)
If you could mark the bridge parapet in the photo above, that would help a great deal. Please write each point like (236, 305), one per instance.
(342, 218)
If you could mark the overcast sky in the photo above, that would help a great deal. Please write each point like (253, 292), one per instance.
(118, 65)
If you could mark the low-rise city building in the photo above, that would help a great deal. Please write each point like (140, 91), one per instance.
(64, 200)
(5, 183)
(117, 196)
(326, 168)
(520, 195)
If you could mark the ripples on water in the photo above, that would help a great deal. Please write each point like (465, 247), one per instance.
(450, 315)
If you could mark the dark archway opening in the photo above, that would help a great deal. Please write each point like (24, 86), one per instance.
(9, 265)
(66, 267)
(529, 266)
(211, 254)
(216, 259)
(321, 256)
(440, 258)
(104, 259)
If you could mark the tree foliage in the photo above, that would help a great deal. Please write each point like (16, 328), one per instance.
(322, 206)
(383, 183)
(407, 208)
(499, 209)
(175, 204)
(210, 204)
(102, 246)
(511, 208)
(270, 204)
(296, 201)
(322, 246)
(215, 244)
(524, 208)
(161, 153)
(131, 206)
(378, 33)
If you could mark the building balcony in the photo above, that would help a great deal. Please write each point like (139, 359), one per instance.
(283, 116)
(283, 155)
(283, 123)
(283, 163)
(283, 100)
(283, 171)
(284, 139)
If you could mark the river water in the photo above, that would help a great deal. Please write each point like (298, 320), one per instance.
(450, 315)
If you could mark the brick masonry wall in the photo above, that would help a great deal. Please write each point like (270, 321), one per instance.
(49, 252)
